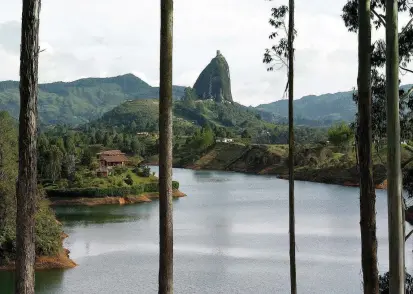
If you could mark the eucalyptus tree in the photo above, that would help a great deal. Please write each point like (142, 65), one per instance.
(394, 180)
(27, 176)
(391, 109)
(282, 55)
(364, 146)
(165, 151)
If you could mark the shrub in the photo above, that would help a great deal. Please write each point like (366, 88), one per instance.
(146, 172)
(142, 171)
(118, 170)
(385, 279)
(128, 180)
(107, 192)
(47, 234)
(48, 231)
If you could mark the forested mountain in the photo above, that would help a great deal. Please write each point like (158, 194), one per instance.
(142, 116)
(81, 100)
(312, 110)
(85, 100)
(226, 119)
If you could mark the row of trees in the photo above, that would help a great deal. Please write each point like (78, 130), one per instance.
(371, 119)
(379, 114)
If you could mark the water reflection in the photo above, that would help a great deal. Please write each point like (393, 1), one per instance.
(83, 215)
(230, 235)
(46, 281)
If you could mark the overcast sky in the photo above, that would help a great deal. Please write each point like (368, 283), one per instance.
(103, 38)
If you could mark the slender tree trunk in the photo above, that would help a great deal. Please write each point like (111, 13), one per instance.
(367, 190)
(394, 178)
(27, 178)
(293, 274)
(165, 151)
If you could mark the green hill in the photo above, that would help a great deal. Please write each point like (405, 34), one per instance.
(312, 110)
(142, 116)
(227, 119)
(82, 100)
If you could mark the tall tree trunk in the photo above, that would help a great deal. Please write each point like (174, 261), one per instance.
(27, 178)
(165, 151)
(394, 178)
(293, 274)
(367, 190)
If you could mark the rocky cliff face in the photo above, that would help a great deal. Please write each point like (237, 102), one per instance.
(214, 82)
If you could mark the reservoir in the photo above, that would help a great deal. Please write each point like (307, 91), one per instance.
(230, 236)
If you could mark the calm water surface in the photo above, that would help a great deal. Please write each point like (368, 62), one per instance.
(231, 236)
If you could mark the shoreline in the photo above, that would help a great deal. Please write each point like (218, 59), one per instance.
(59, 261)
(328, 176)
(122, 200)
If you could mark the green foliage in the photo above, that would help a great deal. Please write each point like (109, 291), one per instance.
(378, 59)
(384, 283)
(128, 180)
(87, 157)
(118, 170)
(47, 229)
(246, 135)
(107, 192)
(340, 135)
(139, 115)
(80, 101)
(277, 56)
(146, 172)
(189, 97)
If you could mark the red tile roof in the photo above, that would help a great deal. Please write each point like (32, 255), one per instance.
(114, 158)
(111, 152)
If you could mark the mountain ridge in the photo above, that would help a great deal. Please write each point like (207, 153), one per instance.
(87, 99)
(315, 110)
(81, 100)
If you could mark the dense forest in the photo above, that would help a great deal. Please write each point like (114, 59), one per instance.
(48, 230)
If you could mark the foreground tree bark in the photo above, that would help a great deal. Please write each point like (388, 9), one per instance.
(394, 178)
(293, 274)
(165, 151)
(367, 190)
(27, 178)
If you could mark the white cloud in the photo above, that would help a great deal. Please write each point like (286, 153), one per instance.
(108, 38)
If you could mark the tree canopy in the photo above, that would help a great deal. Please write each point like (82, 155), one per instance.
(379, 60)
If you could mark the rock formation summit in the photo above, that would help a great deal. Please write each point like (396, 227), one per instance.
(214, 82)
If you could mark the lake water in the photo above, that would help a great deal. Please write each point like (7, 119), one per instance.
(231, 236)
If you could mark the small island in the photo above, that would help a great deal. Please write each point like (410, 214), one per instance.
(116, 180)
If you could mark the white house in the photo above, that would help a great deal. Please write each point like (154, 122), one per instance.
(224, 140)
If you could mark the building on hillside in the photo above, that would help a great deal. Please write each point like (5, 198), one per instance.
(224, 140)
(112, 158)
(142, 134)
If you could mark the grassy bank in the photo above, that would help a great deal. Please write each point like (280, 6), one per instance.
(110, 200)
(320, 163)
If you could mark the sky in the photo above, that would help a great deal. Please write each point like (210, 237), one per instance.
(102, 38)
